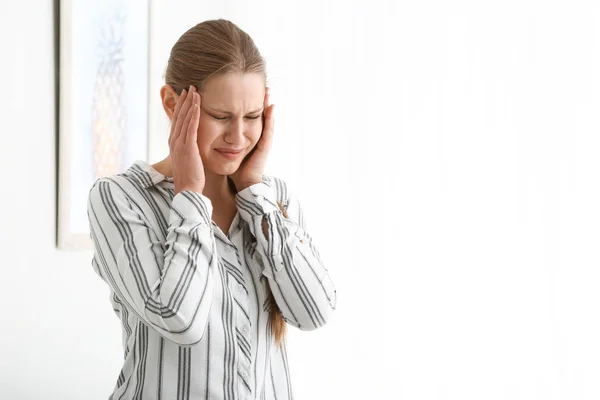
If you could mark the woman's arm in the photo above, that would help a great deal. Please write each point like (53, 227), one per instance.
(167, 285)
(299, 281)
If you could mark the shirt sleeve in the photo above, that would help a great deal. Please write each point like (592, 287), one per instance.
(299, 281)
(167, 285)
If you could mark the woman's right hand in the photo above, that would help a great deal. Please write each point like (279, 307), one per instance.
(188, 171)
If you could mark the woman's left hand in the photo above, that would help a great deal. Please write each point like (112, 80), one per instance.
(252, 167)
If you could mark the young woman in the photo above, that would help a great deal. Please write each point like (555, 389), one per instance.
(207, 259)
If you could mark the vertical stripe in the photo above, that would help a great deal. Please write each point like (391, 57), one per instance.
(142, 334)
(229, 372)
(207, 361)
(161, 350)
(188, 373)
(180, 374)
(184, 373)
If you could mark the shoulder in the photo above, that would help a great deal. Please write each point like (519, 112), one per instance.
(138, 177)
(118, 186)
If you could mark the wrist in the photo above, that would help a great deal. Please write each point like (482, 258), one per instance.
(245, 185)
(191, 188)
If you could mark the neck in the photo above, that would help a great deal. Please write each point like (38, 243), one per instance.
(216, 187)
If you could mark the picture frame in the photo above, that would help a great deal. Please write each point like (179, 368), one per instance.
(103, 103)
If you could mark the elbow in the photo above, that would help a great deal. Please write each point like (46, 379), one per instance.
(310, 325)
(317, 320)
(186, 325)
(184, 329)
(186, 337)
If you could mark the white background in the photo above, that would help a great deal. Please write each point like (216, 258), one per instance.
(447, 158)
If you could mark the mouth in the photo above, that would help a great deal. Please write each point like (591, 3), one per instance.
(230, 154)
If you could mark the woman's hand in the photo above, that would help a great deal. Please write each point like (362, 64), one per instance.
(252, 167)
(188, 171)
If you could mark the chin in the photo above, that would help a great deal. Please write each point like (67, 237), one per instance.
(223, 169)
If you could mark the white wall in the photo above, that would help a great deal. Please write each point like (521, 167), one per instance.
(447, 159)
(58, 338)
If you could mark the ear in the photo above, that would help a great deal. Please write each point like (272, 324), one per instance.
(169, 100)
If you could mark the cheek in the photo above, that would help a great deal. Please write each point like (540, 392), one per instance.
(254, 132)
(208, 131)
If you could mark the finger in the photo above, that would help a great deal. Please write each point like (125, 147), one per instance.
(192, 126)
(266, 103)
(186, 121)
(185, 107)
(267, 99)
(266, 137)
(180, 101)
(269, 127)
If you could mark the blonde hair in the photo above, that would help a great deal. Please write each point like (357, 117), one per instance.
(213, 48)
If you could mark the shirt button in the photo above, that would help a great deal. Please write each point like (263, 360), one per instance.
(245, 329)
(244, 374)
(228, 249)
(259, 199)
(239, 287)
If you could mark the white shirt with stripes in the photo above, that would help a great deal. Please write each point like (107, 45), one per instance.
(192, 301)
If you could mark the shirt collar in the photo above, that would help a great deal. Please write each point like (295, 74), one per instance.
(145, 174)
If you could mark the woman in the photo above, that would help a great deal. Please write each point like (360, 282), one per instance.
(206, 258)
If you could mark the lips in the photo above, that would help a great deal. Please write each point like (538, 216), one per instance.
(229, 151)
(229, 154)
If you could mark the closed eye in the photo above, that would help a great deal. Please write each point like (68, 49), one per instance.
(219, 118)
(224, 118)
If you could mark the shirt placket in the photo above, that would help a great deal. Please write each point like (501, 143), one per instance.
(239, 290)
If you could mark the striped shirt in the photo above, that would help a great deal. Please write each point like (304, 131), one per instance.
(192, 301)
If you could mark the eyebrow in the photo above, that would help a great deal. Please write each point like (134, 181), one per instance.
(229, 113)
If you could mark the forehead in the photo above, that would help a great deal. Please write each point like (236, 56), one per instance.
(234, 91)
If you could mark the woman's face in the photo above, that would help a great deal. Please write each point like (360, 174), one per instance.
(230, 120)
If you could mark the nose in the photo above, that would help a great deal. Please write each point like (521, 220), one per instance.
(235, 131)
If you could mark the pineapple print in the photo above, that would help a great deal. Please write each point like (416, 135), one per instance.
(109, 118)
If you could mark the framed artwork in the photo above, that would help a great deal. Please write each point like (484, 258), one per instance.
(102, 102)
